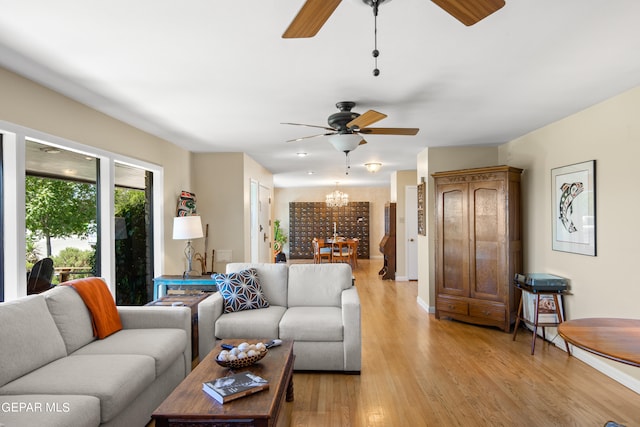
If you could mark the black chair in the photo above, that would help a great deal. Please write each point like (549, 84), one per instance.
(40, 276)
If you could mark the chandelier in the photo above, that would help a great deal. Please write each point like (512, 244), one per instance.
(337, 199)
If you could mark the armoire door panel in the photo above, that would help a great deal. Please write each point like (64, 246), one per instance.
(454, 255)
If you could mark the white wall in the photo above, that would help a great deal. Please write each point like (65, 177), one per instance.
(28, 104)
(607, 285)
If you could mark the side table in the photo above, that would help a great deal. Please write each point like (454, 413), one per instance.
(161, 283)
(186, 300)
(536, 293)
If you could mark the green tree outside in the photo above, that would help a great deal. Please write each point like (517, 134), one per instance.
(57, 208)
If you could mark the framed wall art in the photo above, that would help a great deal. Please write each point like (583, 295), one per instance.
(574, 208)
(422, 206)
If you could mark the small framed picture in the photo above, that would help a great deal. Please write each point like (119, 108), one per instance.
(573, 203)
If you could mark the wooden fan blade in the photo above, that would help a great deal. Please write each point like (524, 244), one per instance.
(362, 142)
(311, 126)
(389, 131)
(310, 18)
(366, 119)
(312, 136)
(470, 11)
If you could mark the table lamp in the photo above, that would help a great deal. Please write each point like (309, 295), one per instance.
(188, 228)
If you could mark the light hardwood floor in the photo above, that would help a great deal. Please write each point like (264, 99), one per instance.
(419, 371)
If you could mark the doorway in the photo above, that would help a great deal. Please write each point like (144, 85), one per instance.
(411, 227)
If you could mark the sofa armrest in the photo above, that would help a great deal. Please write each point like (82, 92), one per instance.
(135, 317)
(352, 329)
(208, 312)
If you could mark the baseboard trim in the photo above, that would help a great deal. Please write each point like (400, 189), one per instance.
(599, 365)
(425, 306)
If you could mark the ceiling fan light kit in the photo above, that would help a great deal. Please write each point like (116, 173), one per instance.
(346, 127)
(345, 142)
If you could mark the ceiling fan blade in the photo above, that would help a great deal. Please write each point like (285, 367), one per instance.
(470, 11)
(389, 131)
(366, 119)
(311, 136)
(362, 142)
(310, 18)
(311, 126)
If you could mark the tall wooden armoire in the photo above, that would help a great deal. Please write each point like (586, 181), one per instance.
(478, 244)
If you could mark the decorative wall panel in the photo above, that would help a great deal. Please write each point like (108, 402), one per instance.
(315, 219)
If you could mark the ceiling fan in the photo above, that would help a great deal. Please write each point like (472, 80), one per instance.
(346, 127)
(314, 13)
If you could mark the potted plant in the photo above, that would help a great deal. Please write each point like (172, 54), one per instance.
(279, 239)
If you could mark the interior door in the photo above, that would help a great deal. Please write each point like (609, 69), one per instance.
(411, 227)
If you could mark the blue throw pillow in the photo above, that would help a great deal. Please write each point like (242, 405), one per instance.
(240, 291)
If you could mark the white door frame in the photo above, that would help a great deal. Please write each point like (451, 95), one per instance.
(411, 231)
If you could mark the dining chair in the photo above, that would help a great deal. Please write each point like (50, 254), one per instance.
(340, 251)
(320, 251)
(353, 252)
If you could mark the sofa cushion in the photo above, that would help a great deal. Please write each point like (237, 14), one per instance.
(71, 316)
(29, 337)
(312, 324)
(240, 290)
(318, 284)
(260, 323)
(273, 279)
(164, 345)
(96, 295)
(37, 410)
(115, 379)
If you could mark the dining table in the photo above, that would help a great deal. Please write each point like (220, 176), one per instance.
(613, 338)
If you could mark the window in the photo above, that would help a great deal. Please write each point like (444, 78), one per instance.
(61, 210)
(102, 172)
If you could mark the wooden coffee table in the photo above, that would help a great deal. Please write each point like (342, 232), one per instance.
(188, 405)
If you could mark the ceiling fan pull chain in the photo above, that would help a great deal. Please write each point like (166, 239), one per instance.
(376, 52)
(347, 163)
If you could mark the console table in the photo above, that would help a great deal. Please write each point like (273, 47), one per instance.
(615, 339)
(160, 284)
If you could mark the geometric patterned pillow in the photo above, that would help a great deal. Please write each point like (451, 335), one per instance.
(241, 290)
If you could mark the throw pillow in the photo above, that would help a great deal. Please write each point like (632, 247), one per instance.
(241, 290)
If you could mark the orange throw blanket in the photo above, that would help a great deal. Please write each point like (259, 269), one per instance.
(96, 296)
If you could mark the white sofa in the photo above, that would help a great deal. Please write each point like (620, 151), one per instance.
(54, 372)
(315, 305)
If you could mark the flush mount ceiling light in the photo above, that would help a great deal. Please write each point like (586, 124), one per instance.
(301, 154)
(373, 167)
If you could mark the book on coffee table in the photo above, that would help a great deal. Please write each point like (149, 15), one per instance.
(234, 386)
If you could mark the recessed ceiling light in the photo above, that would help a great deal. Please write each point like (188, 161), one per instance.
(310, 173)
(301, 154)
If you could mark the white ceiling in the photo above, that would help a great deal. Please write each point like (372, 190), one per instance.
(217, 76)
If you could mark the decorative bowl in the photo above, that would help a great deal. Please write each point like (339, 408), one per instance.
(242, 363)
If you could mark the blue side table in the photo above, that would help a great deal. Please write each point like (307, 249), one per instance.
(160, 284)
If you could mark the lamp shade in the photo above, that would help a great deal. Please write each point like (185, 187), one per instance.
(345, 142)
(187, 227)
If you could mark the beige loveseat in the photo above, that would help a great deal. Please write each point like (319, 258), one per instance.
(54, 372)
(315, 305)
